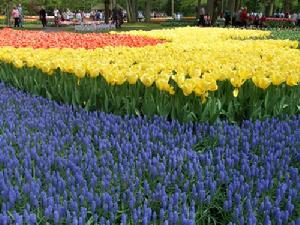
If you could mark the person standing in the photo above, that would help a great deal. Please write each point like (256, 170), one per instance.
(244, 17)
(227, 18)
(115, 16)
(16, 15)
(120, 18)
(21, 17)
(78, 16)
(201, 17)
(55, 13)
(43, 17)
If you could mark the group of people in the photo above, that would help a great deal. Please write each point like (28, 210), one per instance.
(295, 16)
(60, 16)
(17, 14)
(97, 15)
(242, 18)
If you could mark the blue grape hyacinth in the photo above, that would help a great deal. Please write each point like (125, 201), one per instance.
(61, 165)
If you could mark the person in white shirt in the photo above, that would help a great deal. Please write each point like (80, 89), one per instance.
(294, 16)
(78, 16)
(55, 12)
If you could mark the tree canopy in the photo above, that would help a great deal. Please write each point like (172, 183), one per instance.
(187, 7)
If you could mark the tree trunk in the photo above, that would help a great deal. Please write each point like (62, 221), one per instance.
(107, 12)
(173, 8)
(210, 7)
(286, 5)
(131, 10)
(8, 11)
(148, 10)
(231, 6)
(199, 7)
(113, 4)
(270, 8)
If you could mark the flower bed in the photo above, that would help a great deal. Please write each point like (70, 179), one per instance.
(61, 165)
(34, 39)
(193, 74)
(280, 22)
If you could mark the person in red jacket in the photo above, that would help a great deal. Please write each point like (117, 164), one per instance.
(244, 17)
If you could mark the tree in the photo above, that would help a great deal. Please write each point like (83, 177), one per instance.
(210, 7)
(269, 7)
(199, 4)
(287, 5)
(131, 6)
(148, 5)
(107, 11)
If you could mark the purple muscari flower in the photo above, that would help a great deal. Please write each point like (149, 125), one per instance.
(56, 217)
(145, 220)
(70, 162)
(75, 220)
(32, 219)
(123, 219)
(12, 196)
(18, 219)
(4, 219)
(267, 221)
(154, 216)
(202, 195)
(135, 216)
(161, 214)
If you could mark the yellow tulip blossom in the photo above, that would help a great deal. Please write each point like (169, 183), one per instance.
(193, 59)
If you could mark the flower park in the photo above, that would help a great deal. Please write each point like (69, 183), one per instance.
(173, 126)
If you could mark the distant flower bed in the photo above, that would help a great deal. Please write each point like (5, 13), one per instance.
(280, 22)
(34, 39)
(280, 19)
(60, 165)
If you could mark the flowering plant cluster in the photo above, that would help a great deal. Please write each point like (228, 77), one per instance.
(188, 62)
(40, 39)
(195, 59)
(61, 165)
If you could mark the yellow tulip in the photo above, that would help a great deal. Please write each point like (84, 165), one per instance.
(193, 59)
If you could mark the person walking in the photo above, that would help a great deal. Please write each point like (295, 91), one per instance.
(21, 17)
(16, 15)
(43, 17)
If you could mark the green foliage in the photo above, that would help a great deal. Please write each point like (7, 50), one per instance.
(95, 93)
(187, 7)
(282, 24)
(289, 34)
